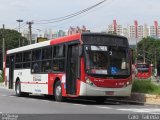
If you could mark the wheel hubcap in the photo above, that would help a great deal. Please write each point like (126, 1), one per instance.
(58, 90)
(17, 89)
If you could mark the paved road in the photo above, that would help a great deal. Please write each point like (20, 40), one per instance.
(33, 104)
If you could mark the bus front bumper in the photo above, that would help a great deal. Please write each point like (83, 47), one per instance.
(88, 90)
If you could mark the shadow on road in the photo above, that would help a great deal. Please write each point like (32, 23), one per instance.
(80, 101)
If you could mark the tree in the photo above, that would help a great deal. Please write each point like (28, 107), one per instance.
(151, 47)
(11, 40)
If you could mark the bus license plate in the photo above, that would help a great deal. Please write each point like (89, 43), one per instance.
(109, 93)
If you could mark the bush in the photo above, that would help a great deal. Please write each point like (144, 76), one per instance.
(1, 76)
(145, 86)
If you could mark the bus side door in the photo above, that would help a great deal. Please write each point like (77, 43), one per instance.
(72, 68)
(11, 71)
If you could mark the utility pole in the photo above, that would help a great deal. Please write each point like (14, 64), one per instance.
(155, 57)
(19, 21)
(30, 31)
(144, 55)
(136, 36)
(3, 47)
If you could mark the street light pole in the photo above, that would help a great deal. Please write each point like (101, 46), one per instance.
(3, 47)
(39, 32)
(30, 31)
(19, 21)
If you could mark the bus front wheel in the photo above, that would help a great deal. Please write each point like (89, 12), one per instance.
(58, 92)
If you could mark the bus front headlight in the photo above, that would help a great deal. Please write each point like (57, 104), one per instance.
(89, 82)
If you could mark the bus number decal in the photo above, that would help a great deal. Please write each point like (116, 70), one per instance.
(110, 52)
(37, 78)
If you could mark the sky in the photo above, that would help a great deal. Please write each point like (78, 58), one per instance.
(97, 19)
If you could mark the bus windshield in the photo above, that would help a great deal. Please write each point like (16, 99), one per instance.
(107, 60)
(143, 68)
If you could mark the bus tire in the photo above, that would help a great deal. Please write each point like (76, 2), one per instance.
(58, 92)
(18, 90)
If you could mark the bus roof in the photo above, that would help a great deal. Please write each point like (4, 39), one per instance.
(59, 40)
(103, 34)
(45, 43)
(28, 47)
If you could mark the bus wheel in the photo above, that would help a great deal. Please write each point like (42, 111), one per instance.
(100, 100)
(18, 90)
(58, 92)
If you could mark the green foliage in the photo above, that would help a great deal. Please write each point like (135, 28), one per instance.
(11, 41)
(145, 86)
(1, 77)
(11, 38)
(150, 46)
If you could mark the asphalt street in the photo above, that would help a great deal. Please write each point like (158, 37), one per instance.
(38, 104)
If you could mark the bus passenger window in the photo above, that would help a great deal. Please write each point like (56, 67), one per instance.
(59, 51)
(27, 59)
(47, 53)
(36, 67)
(46, 66)
(36, 55)
(58, 65)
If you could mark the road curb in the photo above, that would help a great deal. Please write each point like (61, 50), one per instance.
(145, 98)
(139, 99)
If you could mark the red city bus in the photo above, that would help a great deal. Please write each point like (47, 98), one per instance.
(144, 70)
(93, 65)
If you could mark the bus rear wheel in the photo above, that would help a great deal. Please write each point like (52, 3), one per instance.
(18, 90)
(58, 92)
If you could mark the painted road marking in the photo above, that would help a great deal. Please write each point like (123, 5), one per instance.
(12, 96)
(79, 105)
(142, 110)
(156, 113)
(104, 107)
(4, 95)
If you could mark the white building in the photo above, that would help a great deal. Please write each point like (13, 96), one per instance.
(50, 34)
(145, 31)
(111, 29)
(152, 31)
(140, 32)
(133, 34)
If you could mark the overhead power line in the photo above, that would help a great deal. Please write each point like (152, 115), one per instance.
(67, 16)
(21, 26)
(59, 19)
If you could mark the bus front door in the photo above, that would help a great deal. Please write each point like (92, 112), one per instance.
(11, 72)
(71, 69)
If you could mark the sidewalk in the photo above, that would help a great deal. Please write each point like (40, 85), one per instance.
(155, 80)
(2, 84)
